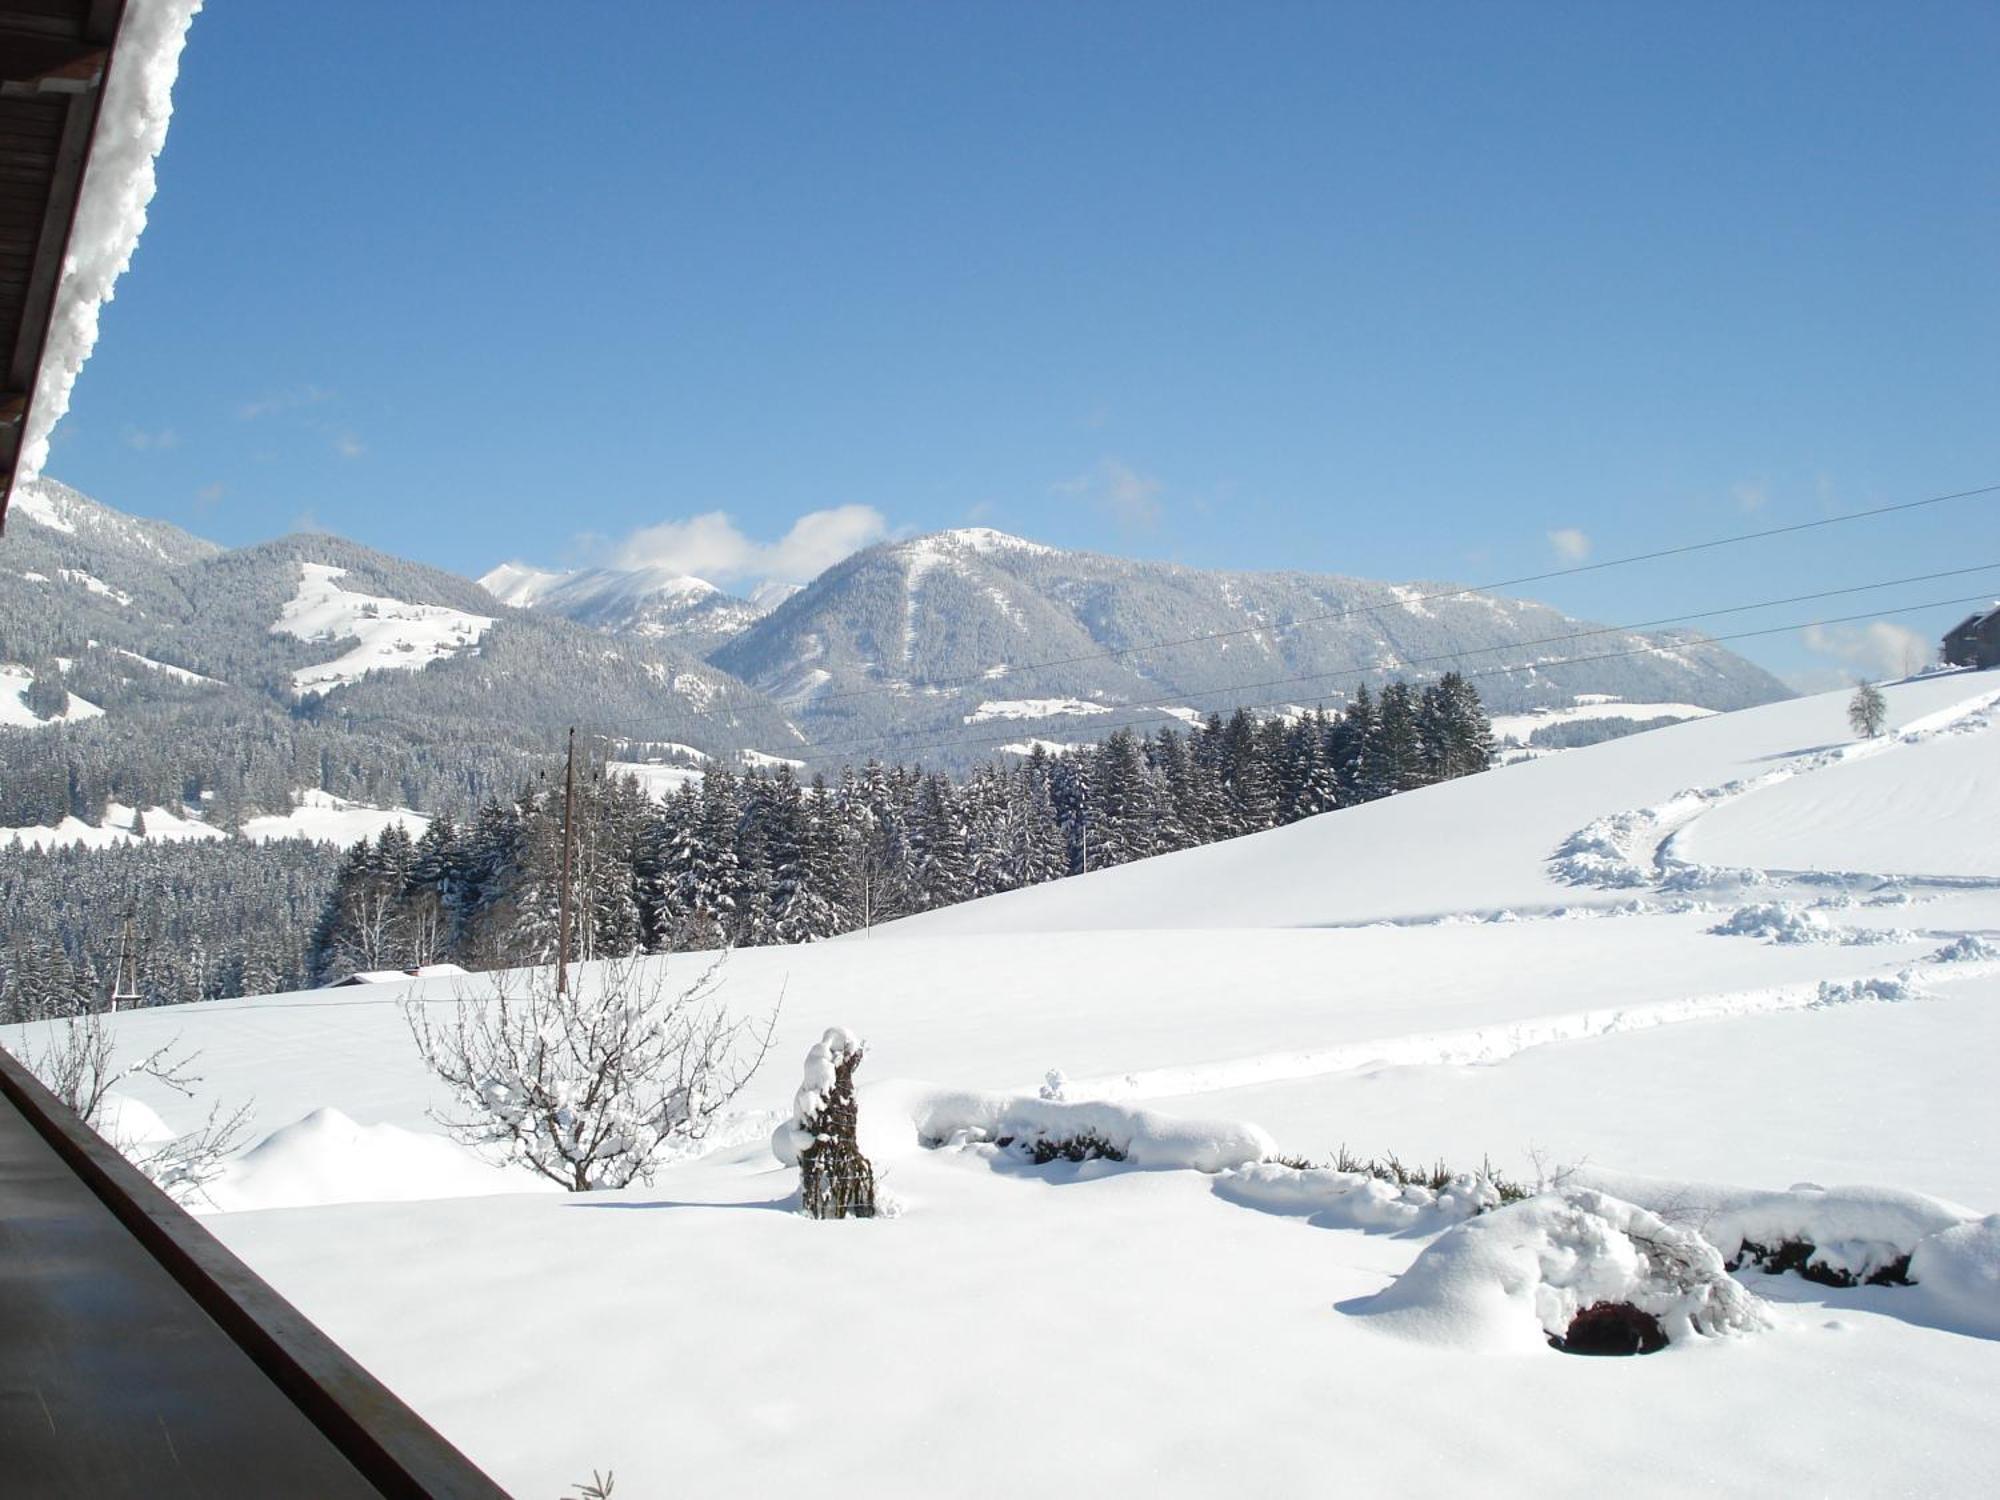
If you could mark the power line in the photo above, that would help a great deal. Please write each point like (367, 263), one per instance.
(889, 738)
(1740, 635)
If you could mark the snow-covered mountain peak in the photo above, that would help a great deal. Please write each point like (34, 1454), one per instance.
(654, 600)
(974, 539)
(55, 506)
(518, 584)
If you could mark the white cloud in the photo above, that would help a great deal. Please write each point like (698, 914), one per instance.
(1878, 649)
(1130, 498)
(347, 445)
(1752, 497)
(711, 546)
(208, 496)
(139, 438)
(1571, 545)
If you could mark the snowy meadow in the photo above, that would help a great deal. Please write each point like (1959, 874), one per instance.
(1364, 1111)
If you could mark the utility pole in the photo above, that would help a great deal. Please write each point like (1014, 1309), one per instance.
(568, 836)
(127, 960)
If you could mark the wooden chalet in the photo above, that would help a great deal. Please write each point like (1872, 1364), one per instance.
(1974, 641)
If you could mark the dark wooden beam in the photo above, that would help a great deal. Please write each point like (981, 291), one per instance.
(94, 1295)
(32, 64)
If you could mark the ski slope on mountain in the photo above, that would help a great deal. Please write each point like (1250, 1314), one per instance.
(1605, 969)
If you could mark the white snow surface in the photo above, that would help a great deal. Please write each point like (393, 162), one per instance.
(328, 1158)
(323, 816)
(1424, 975)
(179, 674)
(1938, 797)
(111, 207)
(1518, 727)
(1312, 874)
(389, 634)
(318, 815)
(162, 824)
(660, 782)
(1033, 708)
(15, 713)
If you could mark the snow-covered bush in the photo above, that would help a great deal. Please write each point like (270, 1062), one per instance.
(594, 1086)
(1333, 1198)
(1839, 1236)
(1046, 1129)
(835, 1180)
(78, 1066)
(1518, 1277)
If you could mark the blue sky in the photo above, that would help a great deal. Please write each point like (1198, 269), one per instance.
(1425, 292)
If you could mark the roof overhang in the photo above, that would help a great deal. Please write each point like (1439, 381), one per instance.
(54, 58)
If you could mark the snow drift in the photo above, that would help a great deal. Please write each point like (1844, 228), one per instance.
(1511, 1280)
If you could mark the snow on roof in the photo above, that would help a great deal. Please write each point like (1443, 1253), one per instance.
(111, 209)
(396, 976)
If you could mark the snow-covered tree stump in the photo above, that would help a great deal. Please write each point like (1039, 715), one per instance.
(835, 1179)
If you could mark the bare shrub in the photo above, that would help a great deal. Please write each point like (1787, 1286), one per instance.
(594, 1086)
(79, 1067)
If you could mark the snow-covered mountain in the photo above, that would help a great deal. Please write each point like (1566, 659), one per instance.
(655, 602)
(918, 639)
(308, 664)
(946, 648)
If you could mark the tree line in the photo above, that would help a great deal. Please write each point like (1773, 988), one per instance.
(755, 857)
(195, 920)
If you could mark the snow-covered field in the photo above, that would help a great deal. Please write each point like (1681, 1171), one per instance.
(14, 710)
(1032, 708)
(1518, 727)
(389, 634)
(317, 815)
(1616, 969)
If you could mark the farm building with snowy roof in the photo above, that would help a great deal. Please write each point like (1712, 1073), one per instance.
(1974, 641)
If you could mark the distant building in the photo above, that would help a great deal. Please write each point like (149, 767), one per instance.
(395, 976)
(1975, 642)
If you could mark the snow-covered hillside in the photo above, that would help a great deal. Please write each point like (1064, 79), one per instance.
(317, 815)
(389, 635)
(1700, 970)
(15, 712)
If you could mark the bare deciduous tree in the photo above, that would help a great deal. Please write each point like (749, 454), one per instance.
(1867, 710)
(80, 1069)
(592, 1087)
